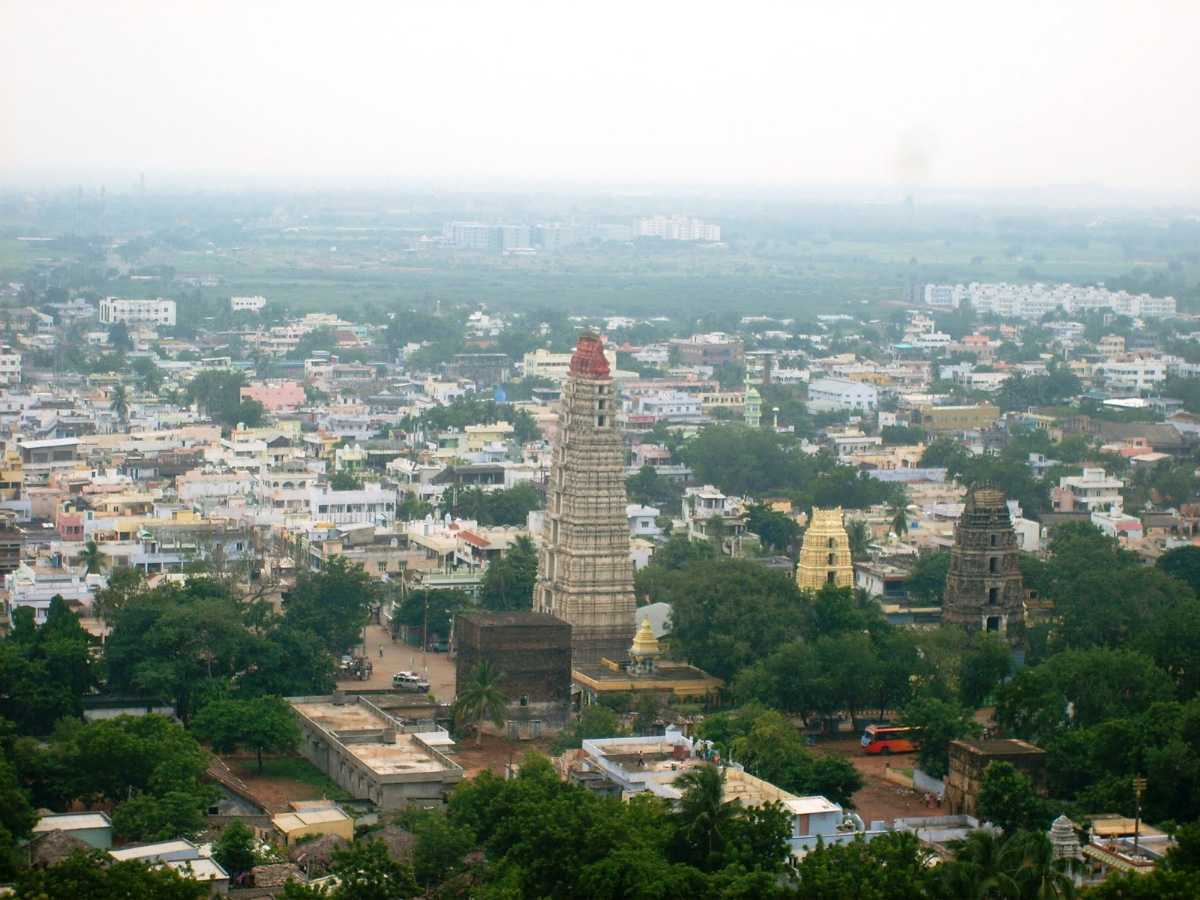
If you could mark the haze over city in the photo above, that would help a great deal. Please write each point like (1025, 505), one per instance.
(875, 94)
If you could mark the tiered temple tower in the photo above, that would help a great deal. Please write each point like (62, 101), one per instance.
(825, 553)
(984, 588)
(585, 576)
(752, 405)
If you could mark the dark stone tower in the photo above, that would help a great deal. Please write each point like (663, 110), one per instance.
(984, 590)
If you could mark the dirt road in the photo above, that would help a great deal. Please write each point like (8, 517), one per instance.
(879, 799)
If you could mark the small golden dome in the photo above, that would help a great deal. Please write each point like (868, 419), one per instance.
(644, 642)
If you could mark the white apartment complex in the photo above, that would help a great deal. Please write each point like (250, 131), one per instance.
(1132, 374)
(247, 304)
(677, 228)
(1032, 301)
(1093, 491)
(137, 312)
(836, 394)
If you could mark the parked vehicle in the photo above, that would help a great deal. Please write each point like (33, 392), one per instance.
(887, 739)
(411, 682)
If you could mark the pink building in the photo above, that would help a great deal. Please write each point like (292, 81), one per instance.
(276, 396)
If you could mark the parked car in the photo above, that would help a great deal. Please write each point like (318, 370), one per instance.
(439, 646)
(410, 681)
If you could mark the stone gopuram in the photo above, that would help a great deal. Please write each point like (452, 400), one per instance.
(984, 588)
(585, 576)
(825, 553)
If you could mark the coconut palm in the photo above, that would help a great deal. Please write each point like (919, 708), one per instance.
(92, 558)
(481, 700)
(1038, 874)
(983, 869)
(860, 536)
(898, 510)
(120, 402)
(704, 818)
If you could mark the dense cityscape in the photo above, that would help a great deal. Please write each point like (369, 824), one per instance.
(536, 451)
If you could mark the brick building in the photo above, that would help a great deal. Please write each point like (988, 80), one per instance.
(532, 653)
(969, 760)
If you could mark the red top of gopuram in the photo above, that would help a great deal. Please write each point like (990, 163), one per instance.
(588, 359)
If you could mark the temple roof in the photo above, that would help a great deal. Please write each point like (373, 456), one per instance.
(588, 359)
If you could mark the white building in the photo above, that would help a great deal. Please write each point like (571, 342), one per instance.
(137, 312)
(10, 365)
(542, 363)
(372, 504)
(1132, 374)
(1093, 491)
(677, 228)
(643, 520)
(247, 304)
(835, 394)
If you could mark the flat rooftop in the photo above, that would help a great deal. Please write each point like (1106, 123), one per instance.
(405, 757)
(72, 822)
(348, 716)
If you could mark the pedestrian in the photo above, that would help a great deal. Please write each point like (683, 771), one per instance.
(381, 651)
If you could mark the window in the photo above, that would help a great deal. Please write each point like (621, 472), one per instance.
(993, 540)
(830, 577)
(600, 420)
(993, 623)
(993, 596)
(829, 544)
(524, 699)
(831, 559)
(994, 564)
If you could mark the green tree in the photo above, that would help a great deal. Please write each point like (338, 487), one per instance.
(594, 722)
(1007, 798)
(775, 529)
(97, 877)
(508, 582)
(234, 849)
(1182, 563)
(16, 819)
(160, 817)
(432, 609)
(261, 724)
(345, 481)
(704, 819)
(119, 402)
(939, 722)
(92, 559)
(481, 700)
(891, 867)
(985, 664)
(333, 604)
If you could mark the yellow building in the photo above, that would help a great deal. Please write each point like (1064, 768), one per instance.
(958, 418)
(645, 673)
(825, 554)
(312, 818)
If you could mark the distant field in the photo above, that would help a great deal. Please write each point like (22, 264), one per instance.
(13, 254)
(798, 279)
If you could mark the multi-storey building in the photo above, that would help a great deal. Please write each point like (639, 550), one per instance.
(838, 394)
(137, 312)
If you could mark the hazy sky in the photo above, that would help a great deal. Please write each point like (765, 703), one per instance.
(798, 93)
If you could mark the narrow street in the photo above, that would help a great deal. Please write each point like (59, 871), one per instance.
(438, 668)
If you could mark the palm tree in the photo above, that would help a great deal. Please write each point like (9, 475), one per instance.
(92, 558)
(983, 868)
(898, 510)
(120, 402)
(481, 700)
(1038, 874)
(703, 815)
(859, 536)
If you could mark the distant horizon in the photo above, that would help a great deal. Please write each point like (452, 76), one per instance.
(1080, 194)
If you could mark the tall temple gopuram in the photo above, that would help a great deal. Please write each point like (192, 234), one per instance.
(585, 576)
(984, 588)
(825, 552)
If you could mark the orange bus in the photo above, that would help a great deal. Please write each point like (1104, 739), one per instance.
(889, 739)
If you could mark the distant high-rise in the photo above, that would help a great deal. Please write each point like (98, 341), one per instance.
(984, 588)
(585, 576)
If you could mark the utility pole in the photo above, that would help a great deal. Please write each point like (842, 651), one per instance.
(1139, 788)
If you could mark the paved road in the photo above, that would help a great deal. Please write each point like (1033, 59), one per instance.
(397, 656)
